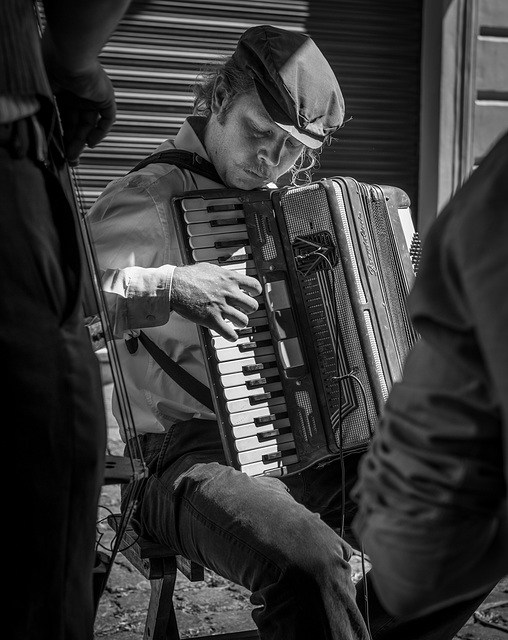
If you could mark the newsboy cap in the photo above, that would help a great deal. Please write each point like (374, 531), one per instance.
(294, 82)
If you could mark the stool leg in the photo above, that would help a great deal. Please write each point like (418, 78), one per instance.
(161, 620)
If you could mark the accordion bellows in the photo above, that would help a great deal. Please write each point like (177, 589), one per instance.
(306, 380)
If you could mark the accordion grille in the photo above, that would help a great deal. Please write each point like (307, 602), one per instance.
(305, 210)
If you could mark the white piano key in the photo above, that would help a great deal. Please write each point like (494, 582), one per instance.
(256, 319)
(209, 241)
(277, 407)
(208, 209)
(241, 391)
(236, 365)
(220, 343)
(251, 429)
(239, 378)
(234, 353)
(232, 255)
(208, 228)
(260, 468)
(199, 204)
(244, 445)
(244, 405)
(246, 267)
(255, 455)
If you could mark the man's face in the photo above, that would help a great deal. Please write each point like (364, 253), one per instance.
(246, 147)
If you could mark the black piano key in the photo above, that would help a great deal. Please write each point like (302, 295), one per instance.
(273, 433)
(237, 242)
(246, 331)
(234, 206)
(261, 382)
(263, 397)
(268, 435)
(268, 457)
(227, 222)
(239, 258)
(249, 346)
(259, 366)
(277, 455)
(271, 417)
(251, 329)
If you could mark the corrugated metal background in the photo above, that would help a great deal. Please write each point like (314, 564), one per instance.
(374, 48)
(161, 45)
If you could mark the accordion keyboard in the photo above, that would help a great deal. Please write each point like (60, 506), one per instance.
(244, 373)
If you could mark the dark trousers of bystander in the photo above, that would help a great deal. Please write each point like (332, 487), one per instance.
(54, 425)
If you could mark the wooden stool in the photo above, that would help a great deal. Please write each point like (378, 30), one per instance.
(159, 565)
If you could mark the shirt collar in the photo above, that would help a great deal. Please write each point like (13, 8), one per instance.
(188, 139)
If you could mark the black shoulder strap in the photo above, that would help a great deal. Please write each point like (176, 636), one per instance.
(195, 163)
(184, 379)
(184, 159)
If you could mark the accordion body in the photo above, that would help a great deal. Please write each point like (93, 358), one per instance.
(306, 380)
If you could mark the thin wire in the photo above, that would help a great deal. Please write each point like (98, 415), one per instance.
(117, 538)
(339, 380)
(365, 591)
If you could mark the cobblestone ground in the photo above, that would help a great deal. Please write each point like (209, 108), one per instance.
(218, 606)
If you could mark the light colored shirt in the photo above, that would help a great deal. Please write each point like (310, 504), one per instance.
(137, 247)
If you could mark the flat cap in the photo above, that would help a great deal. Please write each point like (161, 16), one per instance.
(294, 81)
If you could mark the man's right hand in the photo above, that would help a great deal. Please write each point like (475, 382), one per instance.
(87, 108)
(214, 297)
(74, 36)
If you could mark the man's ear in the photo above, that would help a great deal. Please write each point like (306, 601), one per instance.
(220, 96)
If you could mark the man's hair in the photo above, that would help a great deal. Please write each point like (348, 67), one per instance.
(236, 82)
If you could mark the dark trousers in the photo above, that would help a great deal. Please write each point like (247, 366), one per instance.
(53, 415)
(279, 539)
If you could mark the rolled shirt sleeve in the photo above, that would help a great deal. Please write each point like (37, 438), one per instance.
(138, 297)
(137, 247)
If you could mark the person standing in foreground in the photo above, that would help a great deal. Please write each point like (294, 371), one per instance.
(263, 112)
(51, 383)
(432, 489)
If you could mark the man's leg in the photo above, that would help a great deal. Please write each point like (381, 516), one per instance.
(250, 531)
(51, 394)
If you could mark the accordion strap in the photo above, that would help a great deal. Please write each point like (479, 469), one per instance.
(184, 159)
(195, 163)
(184, 379)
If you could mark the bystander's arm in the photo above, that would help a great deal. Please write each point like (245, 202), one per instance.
(74, 36)
(432, 488)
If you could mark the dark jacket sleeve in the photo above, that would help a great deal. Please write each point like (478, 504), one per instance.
(432, 488)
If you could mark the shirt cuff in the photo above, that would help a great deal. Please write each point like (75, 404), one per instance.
(141, 296)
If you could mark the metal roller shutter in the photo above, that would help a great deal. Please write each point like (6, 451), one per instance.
(161, 45)
(374, 48)
(153, 58)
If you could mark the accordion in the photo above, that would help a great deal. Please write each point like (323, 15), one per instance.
(306, 380)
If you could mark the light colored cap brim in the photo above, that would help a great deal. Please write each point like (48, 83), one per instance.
(301, 137)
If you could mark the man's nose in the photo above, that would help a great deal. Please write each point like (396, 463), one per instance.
(271, 152)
